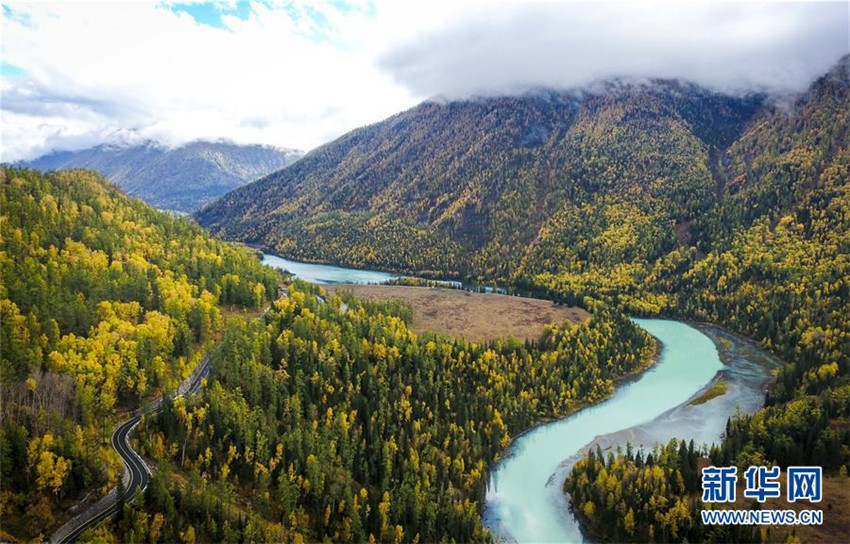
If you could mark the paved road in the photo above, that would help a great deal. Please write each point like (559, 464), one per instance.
(134, 465)
(139, 477)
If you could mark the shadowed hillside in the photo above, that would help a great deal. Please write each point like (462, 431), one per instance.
(183, 178)
(465, 187)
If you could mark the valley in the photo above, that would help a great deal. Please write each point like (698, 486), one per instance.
(666, 238)
(653, 200)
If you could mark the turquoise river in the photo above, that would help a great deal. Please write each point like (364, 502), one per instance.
(325, 273)
(524, 498)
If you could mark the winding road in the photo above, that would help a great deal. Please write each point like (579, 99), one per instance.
(136, 471)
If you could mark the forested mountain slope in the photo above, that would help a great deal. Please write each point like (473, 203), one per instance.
(777, 269)
(328, 418)
(462, 188)
(104, 303)
(184, 178)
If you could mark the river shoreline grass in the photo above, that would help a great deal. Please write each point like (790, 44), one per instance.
(478, 317)
(717, 389)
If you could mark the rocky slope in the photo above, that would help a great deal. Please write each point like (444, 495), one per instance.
(184, 178)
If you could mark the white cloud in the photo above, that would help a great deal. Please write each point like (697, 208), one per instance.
(92, 69)
(724, 45)
(300, 75)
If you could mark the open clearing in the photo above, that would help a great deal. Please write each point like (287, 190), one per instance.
(474, 316)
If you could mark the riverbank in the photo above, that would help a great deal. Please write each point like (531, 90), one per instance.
(649, 361)
(324, 274)
(746, 371)
(524, 499)
(619, 381)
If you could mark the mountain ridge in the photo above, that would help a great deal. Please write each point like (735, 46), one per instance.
(444, 171)
(181, 178)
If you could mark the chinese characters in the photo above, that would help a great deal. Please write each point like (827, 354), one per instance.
(802, 483)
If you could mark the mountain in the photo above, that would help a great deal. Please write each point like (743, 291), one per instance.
(462, 188)
(105, 303)
(770, 261)
(328, 419)
(658, 199)
(183, 178)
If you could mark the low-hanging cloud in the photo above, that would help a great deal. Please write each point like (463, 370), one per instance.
(298, 75)
(776, 47)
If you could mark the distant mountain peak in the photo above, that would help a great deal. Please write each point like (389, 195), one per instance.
(183, 178)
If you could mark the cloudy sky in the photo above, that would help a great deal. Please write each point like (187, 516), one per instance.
(298, 74)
